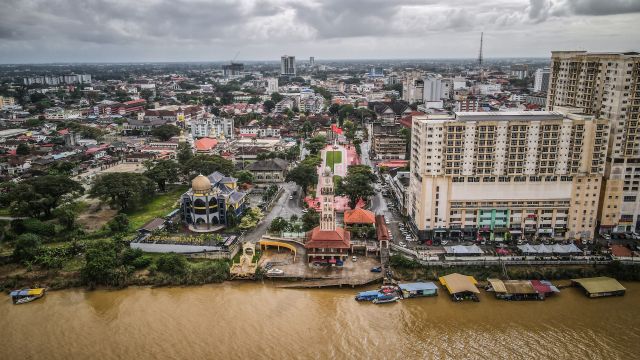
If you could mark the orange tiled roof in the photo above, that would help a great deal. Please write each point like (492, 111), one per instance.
(337, 239)
(205, 144)
(359, 216)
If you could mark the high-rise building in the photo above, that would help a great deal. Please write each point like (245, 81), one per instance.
(272, 85)
(413, 86)
(312, 61)
(432, 88)
(607, 86)
(541, 80)
(288, 65)
(232, 70)
(500, 175)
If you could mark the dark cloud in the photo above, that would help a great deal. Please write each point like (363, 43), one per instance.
(172, 29)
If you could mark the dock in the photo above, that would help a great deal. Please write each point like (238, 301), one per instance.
(310, 284)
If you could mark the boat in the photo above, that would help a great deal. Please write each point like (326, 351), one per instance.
(367, 295)
(24, 296)
(275, 272)
(385, 299)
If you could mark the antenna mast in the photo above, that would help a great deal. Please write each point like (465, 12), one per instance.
(480, 56)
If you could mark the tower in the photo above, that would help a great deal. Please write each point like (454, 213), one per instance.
(480, 55)
(327, 215)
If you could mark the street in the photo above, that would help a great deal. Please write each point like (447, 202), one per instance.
(283, 208)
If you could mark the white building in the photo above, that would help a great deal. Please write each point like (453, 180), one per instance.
(272, 86)
(486, 175)
(432, 88)
(212, 126)
(541, 80)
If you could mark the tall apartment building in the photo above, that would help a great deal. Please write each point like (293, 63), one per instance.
(413, 87)
(6, 101)
(212, 126)
(607, 86)
(312, 61)
(432, 88)
(541, 80)
(501, 175)
(288, 65)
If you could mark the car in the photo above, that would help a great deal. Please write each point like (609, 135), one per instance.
(606, 236)
(354, 258)
(401, 243)
(275, 271)
(386, 221)
(290, 197)
(376, 269)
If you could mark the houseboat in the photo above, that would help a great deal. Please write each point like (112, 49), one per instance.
(600, 286)
(521, 289)
(418, 289)
(461, 287)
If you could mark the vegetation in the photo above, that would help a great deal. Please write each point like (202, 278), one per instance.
(315, 144)
(310, 220)
(250, 218)
(161, 172)
(124, 191)
(304, 175)
(158, 206)
(165, 132)
(357, 184)
(333, 157)
(244, 177)
(37, 197)
(206, 164)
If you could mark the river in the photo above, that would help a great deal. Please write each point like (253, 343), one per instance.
(252, 320)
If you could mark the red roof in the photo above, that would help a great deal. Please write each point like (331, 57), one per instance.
(382, 233)
(359, 216)
(336, 239)
(63, 132)
(205, 144)
(620, 251)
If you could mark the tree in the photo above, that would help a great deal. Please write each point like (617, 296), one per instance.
(356, 144)
(268, 105)
(119, 224)
(250, 219)
(185, 153)
(23, 149)
(37, 196)
(304, 175)
(357, 184)
(310, 220)
(276, 97)
(66, 216)
(206, 164)
(334, 108)
(27, 248)
(316, 144)
(101, 261)
(278, 224)
(172, 264)
(350, 129)
(244, 177)
(147, 94)
(165, 132)
(122, 190)
(163, 171)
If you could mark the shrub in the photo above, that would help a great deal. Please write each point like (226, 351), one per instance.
(172, 264)
(26, 248)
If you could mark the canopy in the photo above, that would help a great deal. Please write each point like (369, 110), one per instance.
(462, 249)
(419, 286)
(599, 284)
(457, 283)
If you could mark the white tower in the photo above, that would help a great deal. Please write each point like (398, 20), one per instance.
(327, 216)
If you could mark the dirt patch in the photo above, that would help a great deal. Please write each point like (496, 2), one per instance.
(96, 216)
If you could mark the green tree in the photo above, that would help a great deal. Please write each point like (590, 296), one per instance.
(66, 216)
(23, 149)
(357, 184)
(163, 171)
(27, 248)
(334, 109)
(276, 97)
(206, 164)
(172, 264)
(269, 105)
(316, 144)
(37, 196)
(165, 132)
(119, 224)
(122, 190)
(310, 220)
(101, 262)
(185, 153)
(147, 94)
(304, 175)
(244, 176)
(278, 224)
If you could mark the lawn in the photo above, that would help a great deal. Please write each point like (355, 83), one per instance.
(159, 206)
(333, 157)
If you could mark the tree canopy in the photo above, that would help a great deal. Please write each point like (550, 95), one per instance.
(316, 144)
(206, 164)
(304, 175)
(357, 184)
(122, 190)
(38, 196)
(162, 171)
(165, 132)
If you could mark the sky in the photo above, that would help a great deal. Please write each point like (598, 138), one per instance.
(42, 31)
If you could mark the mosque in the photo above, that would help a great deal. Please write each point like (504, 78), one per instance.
(212, 201)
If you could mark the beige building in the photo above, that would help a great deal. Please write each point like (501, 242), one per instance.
(607, 86)
(6, 101)
(504, 175)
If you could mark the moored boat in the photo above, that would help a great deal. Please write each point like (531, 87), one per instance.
(385, 299)
(26, 295)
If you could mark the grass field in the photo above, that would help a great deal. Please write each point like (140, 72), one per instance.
(333, 157)
(159, 206)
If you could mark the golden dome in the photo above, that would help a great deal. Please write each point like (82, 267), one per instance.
(200, 184)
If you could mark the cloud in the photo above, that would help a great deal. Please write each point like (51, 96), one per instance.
(216, 29)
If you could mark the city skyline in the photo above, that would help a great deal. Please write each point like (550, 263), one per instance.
(195, 31)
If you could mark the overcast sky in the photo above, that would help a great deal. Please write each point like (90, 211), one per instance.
(35, 31)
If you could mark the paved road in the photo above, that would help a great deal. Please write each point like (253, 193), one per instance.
(283, 208)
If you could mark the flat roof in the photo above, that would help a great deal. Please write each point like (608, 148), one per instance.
(600, 284)
(418, 286)
(457, 283)
(508, 115)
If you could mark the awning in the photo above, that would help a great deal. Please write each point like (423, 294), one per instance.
(332, 261)
(514, 231)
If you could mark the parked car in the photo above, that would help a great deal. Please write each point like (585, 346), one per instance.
(401, 243)
(376, 269)
(606, 236)
(290, 197)
(354, 258)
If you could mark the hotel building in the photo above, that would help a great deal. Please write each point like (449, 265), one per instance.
(500, 175)
(607, 86)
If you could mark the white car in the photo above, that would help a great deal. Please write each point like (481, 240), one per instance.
(290, 197)
(275, 271)
(354, 258)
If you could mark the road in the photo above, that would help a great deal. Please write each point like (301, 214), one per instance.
(283, 208)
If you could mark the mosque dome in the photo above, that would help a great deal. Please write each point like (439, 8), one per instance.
(201, 184)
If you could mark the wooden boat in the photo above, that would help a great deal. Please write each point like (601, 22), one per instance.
(26, 295)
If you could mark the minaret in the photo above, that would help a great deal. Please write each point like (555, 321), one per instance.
(327, 215)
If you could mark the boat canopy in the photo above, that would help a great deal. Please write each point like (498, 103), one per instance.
(27, 292)
(457, 283)
(599, 284)
(419, 286)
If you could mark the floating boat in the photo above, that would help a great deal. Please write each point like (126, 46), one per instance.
(275, 272)
(385, 299)
(26, 295)
(367, 295)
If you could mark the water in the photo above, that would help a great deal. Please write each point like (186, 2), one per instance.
(250, 321)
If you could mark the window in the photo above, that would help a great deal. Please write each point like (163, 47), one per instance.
(629, 199)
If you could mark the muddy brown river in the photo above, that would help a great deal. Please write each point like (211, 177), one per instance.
(260, 321)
